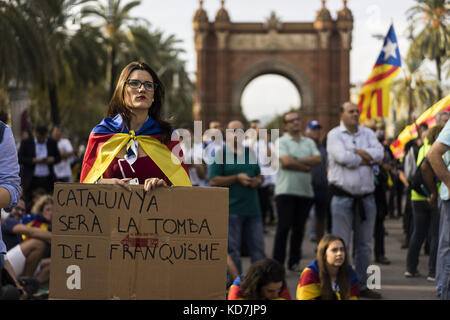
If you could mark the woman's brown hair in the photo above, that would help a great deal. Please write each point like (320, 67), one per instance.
(117, 104)
(433, 133)
(343, 276)
(261, 273)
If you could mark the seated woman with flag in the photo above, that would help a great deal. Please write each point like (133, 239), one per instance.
(265, 280)
(329, 277)
(134, 142)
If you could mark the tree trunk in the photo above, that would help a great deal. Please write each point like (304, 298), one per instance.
(54, 108)
(438, 67)
(112, 72)
(20, 102)
(411, 105)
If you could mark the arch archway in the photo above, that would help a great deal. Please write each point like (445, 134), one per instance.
(267, 96)
(315, 56)
(273, 66)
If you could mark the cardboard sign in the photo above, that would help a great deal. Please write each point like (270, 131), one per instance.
(109, 243)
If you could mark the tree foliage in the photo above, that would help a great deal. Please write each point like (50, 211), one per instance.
(68, 54)
(430, 34)
(414, 91)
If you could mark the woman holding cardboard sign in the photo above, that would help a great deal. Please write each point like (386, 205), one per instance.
(134, 143)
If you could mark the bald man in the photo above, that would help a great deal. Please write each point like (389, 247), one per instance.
(236, 168)
(353, 150)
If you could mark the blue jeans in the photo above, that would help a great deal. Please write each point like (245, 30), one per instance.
(2, 262)
(252, 229)
(443, 281)
(344, 221)
(439, 254)
(425, 222)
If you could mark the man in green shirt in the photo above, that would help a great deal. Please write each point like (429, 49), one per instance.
(293, 189)
(236, 167)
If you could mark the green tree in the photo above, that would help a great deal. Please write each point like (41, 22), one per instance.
(114, 20)
(20, 52)
(433, 40)
(413, 92)
(278, 121)
(44, 52)
(67, 59)
(82, 96)
(60, 47)
(130, 42)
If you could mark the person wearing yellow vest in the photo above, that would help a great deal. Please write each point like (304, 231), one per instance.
(425, 216)
(134, 141)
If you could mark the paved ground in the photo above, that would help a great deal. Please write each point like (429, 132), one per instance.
(394, 286)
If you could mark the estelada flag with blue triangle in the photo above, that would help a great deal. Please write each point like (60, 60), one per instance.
(373, 98)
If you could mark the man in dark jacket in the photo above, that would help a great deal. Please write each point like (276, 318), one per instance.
(37, 155)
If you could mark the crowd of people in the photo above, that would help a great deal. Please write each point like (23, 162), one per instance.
(345, 181)
(41, 159)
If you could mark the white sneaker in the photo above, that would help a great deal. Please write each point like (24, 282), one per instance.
(431, 279)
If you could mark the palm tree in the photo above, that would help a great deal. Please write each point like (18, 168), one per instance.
(60, 64)
(413, 92)
(20, 52)
(42, 48)
(128, 42)
(86, 54)
(433, 41)
(114, 21)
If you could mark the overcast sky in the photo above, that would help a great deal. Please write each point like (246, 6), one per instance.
(370, 17)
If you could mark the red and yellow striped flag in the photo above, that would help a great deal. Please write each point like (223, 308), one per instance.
(373, 98)
(410, 132)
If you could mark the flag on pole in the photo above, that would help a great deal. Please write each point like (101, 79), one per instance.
(410, 132)
(373, 98)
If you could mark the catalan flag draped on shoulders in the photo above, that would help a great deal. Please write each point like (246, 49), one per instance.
(373, 98)
(34, 220)
(308, 287)
(111, 136)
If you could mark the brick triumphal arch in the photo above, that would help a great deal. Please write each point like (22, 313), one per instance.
(315, 56)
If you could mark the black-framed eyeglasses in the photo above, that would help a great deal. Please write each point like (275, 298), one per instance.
(136, 84)
(292, 120)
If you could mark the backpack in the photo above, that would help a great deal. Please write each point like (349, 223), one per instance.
(410, 164)
(418, 182)
(2, 130)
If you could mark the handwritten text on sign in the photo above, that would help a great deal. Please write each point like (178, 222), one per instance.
(137, 220)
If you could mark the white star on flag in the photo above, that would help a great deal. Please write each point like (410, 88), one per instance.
(389, 50)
